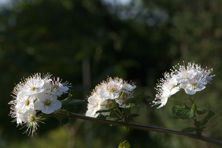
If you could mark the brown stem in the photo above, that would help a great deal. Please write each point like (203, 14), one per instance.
(150, 128)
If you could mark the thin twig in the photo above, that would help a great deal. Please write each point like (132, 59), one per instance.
(150, 128)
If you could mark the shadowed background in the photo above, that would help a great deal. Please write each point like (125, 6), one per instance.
(84, 41)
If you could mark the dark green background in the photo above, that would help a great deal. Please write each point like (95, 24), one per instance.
(138, 42)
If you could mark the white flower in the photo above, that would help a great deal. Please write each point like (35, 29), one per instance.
(47, 103)
(123, 103)
(166, 88)
(160, 100)
(110, 94)
(127, 88)
(196, 78)
(20, 117)
(33, 85)
(25, 102)
(59, 88)
(191, 78)
(31, 122)
(36, 93)
(95, 103)
(110, 89)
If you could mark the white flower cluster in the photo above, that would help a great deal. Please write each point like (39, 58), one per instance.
(35, 95)
(191, 78)
(109, 94)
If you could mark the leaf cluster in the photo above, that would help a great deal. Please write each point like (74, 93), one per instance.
(72, 104)
(119, 114)
(69, 104)
(185, 112)
(124, 144)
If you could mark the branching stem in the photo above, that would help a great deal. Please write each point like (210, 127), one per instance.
(149, 128)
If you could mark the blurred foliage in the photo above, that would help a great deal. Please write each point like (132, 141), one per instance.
(137, 42)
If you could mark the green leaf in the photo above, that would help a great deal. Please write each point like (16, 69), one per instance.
(200, 111)
(113, 118)
(128, 110)
(189, 129)
(182, 112)
(206, 119)
(126, 128)
(124, 144)
(133, 115)
(69, 103)
(107, 110)
(192, 111)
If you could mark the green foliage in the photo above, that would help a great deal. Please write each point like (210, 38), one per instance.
(189, 129)
(107, 110)
(206, 118)
(72, 104)
(182, 112)
(124, 144)
(200, 111)
(114, 119)
(119, 114)
(192, 111)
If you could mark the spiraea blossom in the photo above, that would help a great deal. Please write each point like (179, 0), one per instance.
(35, 95)
(191, 78)
(109, 94)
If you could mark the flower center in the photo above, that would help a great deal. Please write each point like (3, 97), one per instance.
(27, 102)
(194, 85)
(33, 88)
(47, 102)
(111, 89)
(31, 118)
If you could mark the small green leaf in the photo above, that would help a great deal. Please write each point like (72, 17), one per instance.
(192, 111)
(205, 120)
(189, 129)
(124, 144)
(133, 115)
(182, 112)
(129, 109)
(200, 111)
(71, 104)
(126, 128)
(113, 118)
(107, 110)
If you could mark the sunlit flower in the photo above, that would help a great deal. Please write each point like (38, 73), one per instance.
(110, 89)
(195, 78)
(58, 88)
(47, 103)
(32, 122)
(191, 78)
(95, 103)
(33, 85)
(36, 94)
(128, 88)
(110, 94)
(25, 102)
(166, 88)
